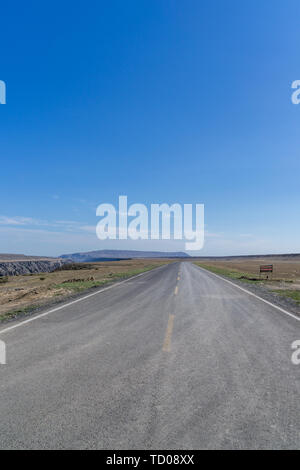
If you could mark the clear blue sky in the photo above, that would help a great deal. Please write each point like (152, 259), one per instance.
(161, 100)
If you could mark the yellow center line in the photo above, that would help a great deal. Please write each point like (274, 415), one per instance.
(168, 336)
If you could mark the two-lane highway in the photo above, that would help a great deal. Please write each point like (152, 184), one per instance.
(174, 358)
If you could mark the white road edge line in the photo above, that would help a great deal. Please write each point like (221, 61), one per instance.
(17, 325)
(250, 293)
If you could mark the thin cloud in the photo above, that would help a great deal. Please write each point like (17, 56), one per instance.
(20, 221)
(4, 220)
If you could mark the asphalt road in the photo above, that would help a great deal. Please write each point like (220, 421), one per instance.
(174, 358)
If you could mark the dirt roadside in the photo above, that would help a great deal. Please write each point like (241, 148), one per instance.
(22, 295)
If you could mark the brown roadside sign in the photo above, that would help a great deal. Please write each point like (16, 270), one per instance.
(266, 268)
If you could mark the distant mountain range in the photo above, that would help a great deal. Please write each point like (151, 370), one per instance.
(106, 255)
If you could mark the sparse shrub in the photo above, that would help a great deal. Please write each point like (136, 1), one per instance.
(3, 279)
(87, 279)
(73, 266)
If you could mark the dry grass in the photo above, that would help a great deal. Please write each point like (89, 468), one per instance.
(283, 269)
(19, 293)
(285, 279)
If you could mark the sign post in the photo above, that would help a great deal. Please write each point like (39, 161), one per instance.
(266, 268)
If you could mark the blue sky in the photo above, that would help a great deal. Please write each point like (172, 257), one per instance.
(161, 100)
